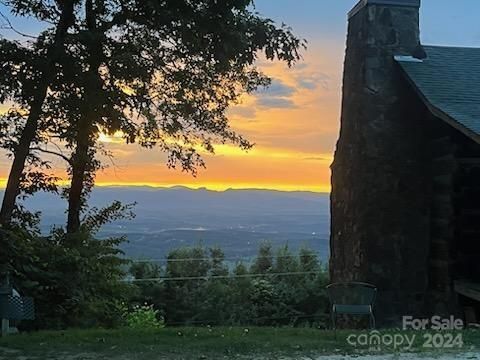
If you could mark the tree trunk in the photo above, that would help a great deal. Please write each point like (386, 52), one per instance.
(22, 150)
(82, 160)
(20, 156)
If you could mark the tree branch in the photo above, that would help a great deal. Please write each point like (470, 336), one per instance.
(11, 27)
(66, 158)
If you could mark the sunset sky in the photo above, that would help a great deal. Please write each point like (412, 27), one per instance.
(295, 123)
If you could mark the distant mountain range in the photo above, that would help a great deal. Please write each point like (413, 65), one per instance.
(236, 220)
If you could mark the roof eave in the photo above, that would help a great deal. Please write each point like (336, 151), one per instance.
(438, 112)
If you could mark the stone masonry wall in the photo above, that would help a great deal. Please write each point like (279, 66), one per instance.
(380, 202)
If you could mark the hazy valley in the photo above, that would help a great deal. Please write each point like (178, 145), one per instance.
(236, 220)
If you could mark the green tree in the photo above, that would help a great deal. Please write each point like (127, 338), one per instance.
(76, 280)
(201, 289)
(285, 261)
(263, 263)
(287, 285)
(242, 311)
(180, 65)
(148, 292)
(188, 270)
(214, 307)
(312, 300)
(27, 74)
(174, 66)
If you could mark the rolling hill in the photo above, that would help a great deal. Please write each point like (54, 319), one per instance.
(236, 220)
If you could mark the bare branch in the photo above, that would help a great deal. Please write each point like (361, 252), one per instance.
(11, 27)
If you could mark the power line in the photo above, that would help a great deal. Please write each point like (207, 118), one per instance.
(206, 277)
(223, 259)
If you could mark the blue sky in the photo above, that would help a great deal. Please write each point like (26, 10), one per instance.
(443, 22)
(295, 123)
(446, 22)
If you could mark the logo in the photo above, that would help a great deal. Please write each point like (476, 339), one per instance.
(433, 333)
(376, 341)
(436, 323)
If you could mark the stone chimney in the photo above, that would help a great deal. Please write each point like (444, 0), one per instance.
(378, 30)
(380, 205)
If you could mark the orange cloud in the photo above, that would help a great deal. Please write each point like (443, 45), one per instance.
(294, 131)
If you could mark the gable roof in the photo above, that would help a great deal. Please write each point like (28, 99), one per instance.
(448, 81)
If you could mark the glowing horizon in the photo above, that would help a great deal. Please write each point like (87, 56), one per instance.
(209, 186)
(294, 124)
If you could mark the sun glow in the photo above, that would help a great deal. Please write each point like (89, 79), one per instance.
(116, 138)
(214, 186)
(223, 187)
(294, 126)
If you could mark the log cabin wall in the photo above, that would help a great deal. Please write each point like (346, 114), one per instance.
(443, 167)
(455, 215)
(466, 247)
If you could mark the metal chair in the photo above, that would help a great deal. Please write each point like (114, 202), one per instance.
(352, 298)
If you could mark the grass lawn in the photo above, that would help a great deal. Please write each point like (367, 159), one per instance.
(197, 343)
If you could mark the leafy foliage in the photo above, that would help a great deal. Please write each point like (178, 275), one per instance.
(202, 289)
(76, 280)
(96, 218)
(143, 317)
(163, 73)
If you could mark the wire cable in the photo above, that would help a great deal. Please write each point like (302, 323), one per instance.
(207, 277)
(223, 259)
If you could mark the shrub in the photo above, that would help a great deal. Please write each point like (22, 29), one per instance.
(144, 317)
(75, 279)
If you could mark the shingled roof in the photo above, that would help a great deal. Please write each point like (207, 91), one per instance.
(448, 81)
